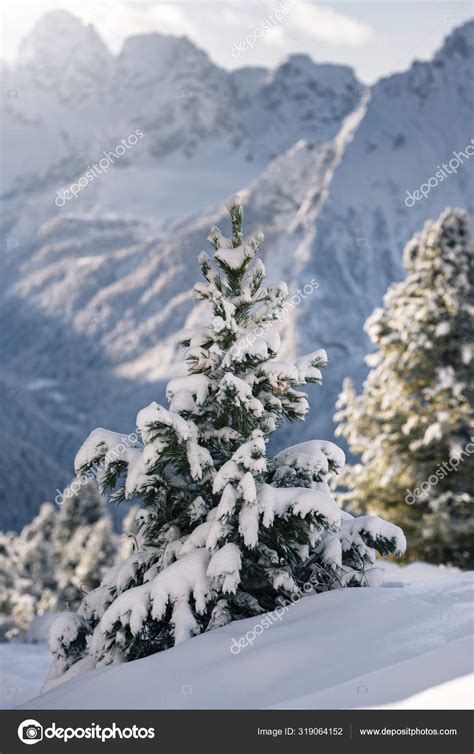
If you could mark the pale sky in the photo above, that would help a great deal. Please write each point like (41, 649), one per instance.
(376, 38)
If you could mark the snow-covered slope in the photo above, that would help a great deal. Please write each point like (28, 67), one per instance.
(23, 667)
(96, 291)
(404, 639)
(353, 242)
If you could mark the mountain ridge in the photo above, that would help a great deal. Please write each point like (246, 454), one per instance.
(97, 292)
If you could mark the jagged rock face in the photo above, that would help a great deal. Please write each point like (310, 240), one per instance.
(96, 291)
(64, 57)
(414, 122)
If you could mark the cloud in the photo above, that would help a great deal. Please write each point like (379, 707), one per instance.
(227, 19)
(328, 25)
(123, 20)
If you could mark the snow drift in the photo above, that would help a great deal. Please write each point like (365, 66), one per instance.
(342, 649)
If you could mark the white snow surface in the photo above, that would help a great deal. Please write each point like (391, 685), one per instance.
(312, 454)
(455, 694)
(398, 645)
(23, 668)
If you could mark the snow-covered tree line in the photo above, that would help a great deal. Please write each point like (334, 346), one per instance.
(413, 423)
(226, 532)
(59, 556)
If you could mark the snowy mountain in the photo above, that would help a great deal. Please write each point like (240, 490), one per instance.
(96, 291)
(413, 124)
(217, 128)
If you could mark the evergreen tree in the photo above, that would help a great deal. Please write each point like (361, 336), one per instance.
(84, 544)
(82, 508)
(37, 561)
(225, 532)
(413, 424)
(15, 611)
(56, 558)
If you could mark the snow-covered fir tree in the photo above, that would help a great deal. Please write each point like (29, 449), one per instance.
(225, 532)
(81, 506)
(413, 424)
(84, 543)
(16, 610)
(37, 558)
(56, 558)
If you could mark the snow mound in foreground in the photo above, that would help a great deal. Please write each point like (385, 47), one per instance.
(342, 649)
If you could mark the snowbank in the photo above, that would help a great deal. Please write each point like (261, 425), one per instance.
(23, 668)
(456, 694)
(343, 649)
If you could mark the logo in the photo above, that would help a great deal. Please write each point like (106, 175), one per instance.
(30, 732)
